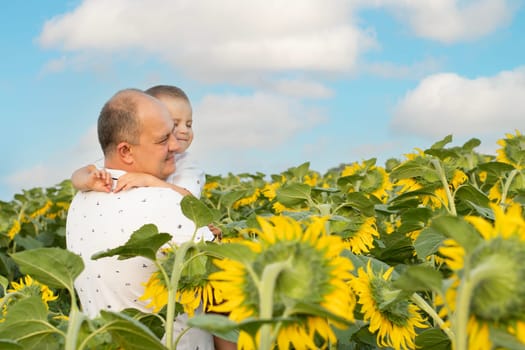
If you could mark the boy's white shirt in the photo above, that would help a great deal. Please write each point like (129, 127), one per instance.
(188, 174)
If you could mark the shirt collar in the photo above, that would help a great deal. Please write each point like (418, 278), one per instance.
(115, 173)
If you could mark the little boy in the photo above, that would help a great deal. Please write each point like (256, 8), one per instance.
(188, 177)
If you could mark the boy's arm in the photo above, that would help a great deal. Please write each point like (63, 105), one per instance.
(131, 180)
(90, 178)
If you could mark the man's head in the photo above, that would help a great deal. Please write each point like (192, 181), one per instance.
(135, 132)
(179, 106)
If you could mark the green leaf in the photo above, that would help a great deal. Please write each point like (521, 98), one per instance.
(361, 202)
(495, 168)
(471, 144)
(235, 251)
(428, 242)
(458, 229)
(434, 339)
(361, 261)
(144, 242)
(471, 194)
(130, 334)
(196, 211)
(218, 325)
(418, 278)
(4, 282)
(317, 310)
(300, 170)
(152, 321)
(293, 194)
(414, 168)
(502, 339)
(26, 323)
(440, 144)
(10, 345)
(231, 197)
(56, 267)
(212, 323)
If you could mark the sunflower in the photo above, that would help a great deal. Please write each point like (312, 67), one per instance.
(27, 287)
(314, 273)
(270, 190)
(375, 180)
(362, 240)
(41, 211)
(14, 230)
(194, 289)
(312, 179)
(458, 178)
(394, 318)
(156, 292)
(511, 151)
(249, 200)
(491, 273)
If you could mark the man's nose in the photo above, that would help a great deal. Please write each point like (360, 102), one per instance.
(174, 145)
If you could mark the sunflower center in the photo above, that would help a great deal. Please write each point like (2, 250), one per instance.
(501, 293)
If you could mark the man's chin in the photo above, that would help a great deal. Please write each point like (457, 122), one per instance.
(169, 169)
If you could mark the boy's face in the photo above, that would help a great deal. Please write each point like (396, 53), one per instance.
(181, 114)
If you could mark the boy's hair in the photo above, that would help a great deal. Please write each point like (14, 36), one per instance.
(168, 91)
(118, 120)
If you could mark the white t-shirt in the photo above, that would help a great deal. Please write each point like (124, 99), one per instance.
(98, 221)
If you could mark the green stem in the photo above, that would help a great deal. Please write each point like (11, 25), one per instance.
(178, 265)
(75, 321)
(419, 301)
(266, 288)
(470, 281)
(444, 182)
(506, 187)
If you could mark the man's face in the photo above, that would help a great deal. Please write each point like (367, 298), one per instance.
(155, 153)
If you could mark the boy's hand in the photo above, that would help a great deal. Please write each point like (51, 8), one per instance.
(217, 233)
(131, 180)
(96, 179)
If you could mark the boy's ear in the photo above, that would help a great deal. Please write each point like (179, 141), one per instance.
(125, 153)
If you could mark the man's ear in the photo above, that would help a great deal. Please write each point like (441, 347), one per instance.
(125, 152)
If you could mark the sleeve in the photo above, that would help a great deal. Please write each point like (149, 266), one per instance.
(188, 174)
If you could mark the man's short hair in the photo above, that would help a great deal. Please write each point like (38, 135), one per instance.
(118, 120)
(168, 91)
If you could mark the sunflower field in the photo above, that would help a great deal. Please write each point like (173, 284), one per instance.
(423, 252)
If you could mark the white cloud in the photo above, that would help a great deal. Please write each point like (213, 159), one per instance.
(389, 70)
(302, 88)
(231, 129)
(448, 103)
(239, 41)
(448, 21)
(452, 20)
(210, 38)
(251, 122)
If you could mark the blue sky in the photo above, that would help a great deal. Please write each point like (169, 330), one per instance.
(273, 83)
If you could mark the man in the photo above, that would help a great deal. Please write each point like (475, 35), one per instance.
(136, 135)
